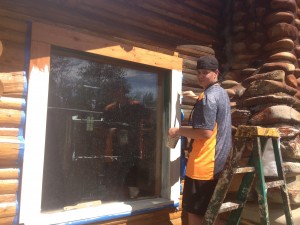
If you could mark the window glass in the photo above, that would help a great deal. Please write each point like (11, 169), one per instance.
(101, 132)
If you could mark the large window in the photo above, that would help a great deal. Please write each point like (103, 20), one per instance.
(102, 131)
(96, 125)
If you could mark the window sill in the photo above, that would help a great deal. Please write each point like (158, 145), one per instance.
(100, 213)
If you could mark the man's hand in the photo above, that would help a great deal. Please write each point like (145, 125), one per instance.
(174, 132)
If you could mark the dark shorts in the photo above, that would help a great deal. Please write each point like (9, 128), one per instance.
(197, 194)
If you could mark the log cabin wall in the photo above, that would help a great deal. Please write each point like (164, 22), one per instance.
(191, 28)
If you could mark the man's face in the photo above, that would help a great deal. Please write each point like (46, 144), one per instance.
(207, 77)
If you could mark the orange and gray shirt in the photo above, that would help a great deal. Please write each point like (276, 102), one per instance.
(208, 156)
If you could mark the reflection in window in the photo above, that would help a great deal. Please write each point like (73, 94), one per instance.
(101, 135)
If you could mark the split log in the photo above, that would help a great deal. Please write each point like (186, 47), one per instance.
(14, 84)
(9, 173)
(289, 5)
(236, 91)
(276, 98)
(9, 186)
(297, 23)
(277, 114)
(248, 72)
(279, 17)
(282, 30)
(7, 209)
(265, 87)
(287, 67)
(12, 118)
(228, 84)
(12, 103)
(240, 117)
(278, 75)
(283, 56)
(283, 44)
(291, 80)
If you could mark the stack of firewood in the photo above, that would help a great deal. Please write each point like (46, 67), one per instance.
(264, 77)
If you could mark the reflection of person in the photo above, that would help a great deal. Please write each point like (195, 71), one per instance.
(211, 140)
(125, 117)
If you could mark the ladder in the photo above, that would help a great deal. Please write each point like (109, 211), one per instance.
(257, 137)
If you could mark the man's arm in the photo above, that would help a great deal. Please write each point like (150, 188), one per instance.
(189, 132)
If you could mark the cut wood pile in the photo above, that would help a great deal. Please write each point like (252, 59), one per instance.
(263, 79)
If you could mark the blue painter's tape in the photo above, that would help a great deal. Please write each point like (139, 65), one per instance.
(117, 216)
(21, 150)
(16, 219)
(23, 104)
(25, 84)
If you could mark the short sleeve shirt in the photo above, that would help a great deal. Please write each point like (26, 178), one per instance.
(208, 156)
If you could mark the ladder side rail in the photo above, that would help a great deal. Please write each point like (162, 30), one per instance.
(281, 175)
(261, 183)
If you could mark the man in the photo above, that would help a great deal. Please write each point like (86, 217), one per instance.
(211, 140)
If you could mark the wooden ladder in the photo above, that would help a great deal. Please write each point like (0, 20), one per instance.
(257, 137)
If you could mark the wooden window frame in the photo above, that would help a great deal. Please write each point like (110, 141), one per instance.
(44, 36)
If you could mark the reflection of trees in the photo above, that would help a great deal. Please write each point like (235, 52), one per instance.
(81, 84)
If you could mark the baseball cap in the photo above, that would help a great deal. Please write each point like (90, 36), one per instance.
(207, 62)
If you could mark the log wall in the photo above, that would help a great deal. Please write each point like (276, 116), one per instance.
(147, 24)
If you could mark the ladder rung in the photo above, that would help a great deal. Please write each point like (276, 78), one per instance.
(230, 206)
(273, 184)
(247, 169)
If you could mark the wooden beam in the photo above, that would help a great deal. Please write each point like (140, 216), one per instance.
(82, 42)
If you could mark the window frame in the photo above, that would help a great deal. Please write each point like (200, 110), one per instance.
(44, 36)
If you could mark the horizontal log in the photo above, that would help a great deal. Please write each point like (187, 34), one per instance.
(265, 87)
(9, 173)
(12, 103)
(8, 198)
(12, 118)
(189, 64)
(279, 17)
(9, 186)
(192, 17)
(195, 50)
(7, 209)
(10, 148)
(14, 85)
(146, 21)
(14, 24)
(12, 36)
(190, 80)
(13, 53)
(7, 220)
(7, 131)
